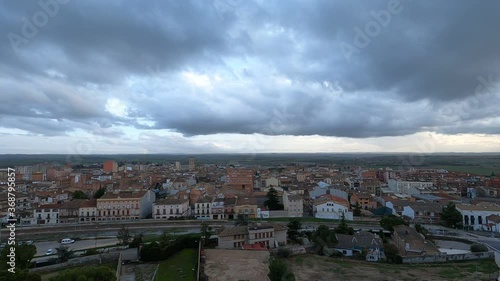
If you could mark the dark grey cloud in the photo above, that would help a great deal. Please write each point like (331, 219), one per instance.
(284, 70)
(103, 42)
(433, 50)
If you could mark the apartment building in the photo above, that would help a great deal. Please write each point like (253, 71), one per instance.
(423, 212)
(171, 207)
(409, 187)
(265, 235)
(218, 209)
(246, 206)
(88, 211)
(125, 205)
(241, 179)
(365, 201)
(293, 204)
(110, 166)
(203, 208)
(46, 214)
(476, 216)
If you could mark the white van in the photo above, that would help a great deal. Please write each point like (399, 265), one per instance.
(67, 241)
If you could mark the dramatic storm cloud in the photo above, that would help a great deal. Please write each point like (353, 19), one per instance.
(239, 76)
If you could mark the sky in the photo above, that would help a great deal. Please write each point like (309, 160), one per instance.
(234, 76)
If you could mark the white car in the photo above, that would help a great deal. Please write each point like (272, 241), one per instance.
(49, 252)
(67, 241)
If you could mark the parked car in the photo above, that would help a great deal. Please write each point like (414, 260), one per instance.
(49, 252)
(67, 241)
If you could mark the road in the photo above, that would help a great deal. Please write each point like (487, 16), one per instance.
(491, 242)
(42, 247)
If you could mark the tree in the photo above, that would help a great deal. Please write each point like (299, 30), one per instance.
(165, 239)
(87, 273)
(123, 235)
(91, 252)
(392, 253)
(79, 195)
(451, 217)
(324, 237)
(420, 229)
(273, 202)
(206, 232)
(278, 271)
(343, 228)
(294, 227)
(64, 253)
(242, 219)
(382, 236)
(136, 241)
(100, 192)
(24, 255)
(357, 209)
(390, 221)
(477, 248)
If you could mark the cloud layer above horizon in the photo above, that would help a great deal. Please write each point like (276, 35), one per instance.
(240, 76)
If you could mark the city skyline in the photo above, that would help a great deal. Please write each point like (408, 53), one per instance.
(223, 76)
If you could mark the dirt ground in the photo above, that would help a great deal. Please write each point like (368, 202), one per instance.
(311, 267)
(231, 265)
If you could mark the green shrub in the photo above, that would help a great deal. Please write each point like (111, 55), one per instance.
(91, 252)
(477, 248)
(283, 252)
(155, 252)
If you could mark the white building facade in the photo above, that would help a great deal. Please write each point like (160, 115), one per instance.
(46, 214)
(326, 208)
(170, 208)
(409, 187)
(475, 216)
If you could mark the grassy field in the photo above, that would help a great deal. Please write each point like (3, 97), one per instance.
(311, 267)
(480, 170)
(47, 275)
(180, 267)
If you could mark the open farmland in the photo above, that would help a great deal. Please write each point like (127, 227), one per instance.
(313, 267)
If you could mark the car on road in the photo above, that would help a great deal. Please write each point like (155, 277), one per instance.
(49, 252)
(67, 241)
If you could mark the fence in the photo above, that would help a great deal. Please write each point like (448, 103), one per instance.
(445, 258)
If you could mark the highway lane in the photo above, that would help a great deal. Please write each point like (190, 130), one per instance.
(42, 247)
